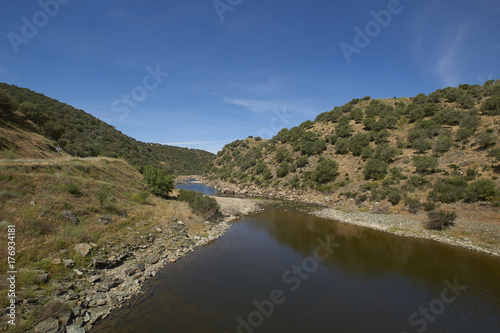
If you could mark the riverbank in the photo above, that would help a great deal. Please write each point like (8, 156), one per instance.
(113, 279)
(477, 226)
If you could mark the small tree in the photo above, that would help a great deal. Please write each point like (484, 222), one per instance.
(425, 164)
(158, 181)
(375, 169)
(326, 171)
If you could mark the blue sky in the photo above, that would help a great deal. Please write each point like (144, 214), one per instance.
(200, 74)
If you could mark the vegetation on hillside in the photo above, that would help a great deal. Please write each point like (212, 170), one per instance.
(420, 151)
(82, 135)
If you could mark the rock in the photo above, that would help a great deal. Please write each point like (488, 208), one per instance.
(82, 249)
(94, 278)
(140, 267)
(102, 287)
(75, 329)
(65, 317)
(70, 216)
(72, 295)
(49, 326)
(120, 293)
(152, 259)
(101, 263)
(87, 317)
(115, 283)
(57, 261)
(105, 220)
(78, 323)
(69, 263)
(78, 272)
(4, 224)
(129, 271)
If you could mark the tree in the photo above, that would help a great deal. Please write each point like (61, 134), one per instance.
(283, 170)
(425, 164)
(326, 171)
(357, 115)
(443, 143)
(158, 181)
(7, 103)
(342, 146)
(375, 169)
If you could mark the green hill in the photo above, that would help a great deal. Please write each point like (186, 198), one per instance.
(80, 134)
(436, 148)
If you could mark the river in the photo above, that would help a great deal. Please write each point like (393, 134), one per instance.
(283, 270)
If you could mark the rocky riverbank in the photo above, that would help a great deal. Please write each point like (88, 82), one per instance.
(119, 272)
(477, 227)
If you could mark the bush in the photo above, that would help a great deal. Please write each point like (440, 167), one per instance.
(443, 144)
(141, 197)
(358, 142)
(282, 170)
(342, 146)
(200, 204)
(74, 190)
(386, 153)
(414, 205)
(357, 115)
(103, 193)
(495, 152)
(282, 154)
(448, 190)
(158, 181)
(375, 169)
(425, 164)
(395, 196)
(310, 148)
(486, 140)
(421, 145)
(302, 161)
(482, 190)
(326, 171)
(440, 220)
(450, 117)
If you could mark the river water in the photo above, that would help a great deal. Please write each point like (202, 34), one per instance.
(283, 270)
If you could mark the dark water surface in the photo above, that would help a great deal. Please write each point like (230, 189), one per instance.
(273, 272)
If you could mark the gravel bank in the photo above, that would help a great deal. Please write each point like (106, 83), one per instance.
(407, 225)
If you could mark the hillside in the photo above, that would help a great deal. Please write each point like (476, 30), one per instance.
(409, 153)
(80, 134)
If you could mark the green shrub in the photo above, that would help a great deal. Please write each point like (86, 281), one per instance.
(414, 205)
(440, 220)
(282, 154)
(449, 190)
(282, 170)
(495, 152)
(74, 190)
(326, 171)
(443, 143)
(358, 142)
(375, 169)
(386, 153)
(342, 146)
(357, 115)
(302, 161)
(425, 164)
(381, 136)
(450, 117)
(486, 140)
(421, 145)
(158, 181)
(103, 193)
(482, 190)
(311, 148)
(141, 197)
(395, 196)
(205, 206)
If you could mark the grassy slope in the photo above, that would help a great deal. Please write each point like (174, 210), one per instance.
(34, 195)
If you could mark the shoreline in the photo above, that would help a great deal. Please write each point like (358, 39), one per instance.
(111, 280)
(468, 233)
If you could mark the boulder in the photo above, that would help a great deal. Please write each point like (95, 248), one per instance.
(75, 329)
(49, 326)
(82, 249)
(105, 220)
(70, 216)
(152, 259)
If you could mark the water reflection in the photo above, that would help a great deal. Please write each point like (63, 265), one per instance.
(372, 282)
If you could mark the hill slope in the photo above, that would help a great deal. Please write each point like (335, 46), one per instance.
(80, 134)
(425, 150)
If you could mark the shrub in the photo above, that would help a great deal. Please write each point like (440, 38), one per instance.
(482, 190)
(381, 136)
(495, 152)
(158, 181)
(205, 206)
(103, 193)
(449, 190)
(141, 197)
(326, 171)
(414, 205)
(74, 190)
(440, 220)
(386, 153)
(421, 145)
(375, 169)
(310, 148)
(342, 146)
(486, 140)
(450, 117)
(395, 196)
(302, 161)
(443, 143)
(358, 142)
(357, 115)
(425, 164)
(282, 154)
(282, 170)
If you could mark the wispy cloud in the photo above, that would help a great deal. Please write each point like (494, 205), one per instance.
(448, 65)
